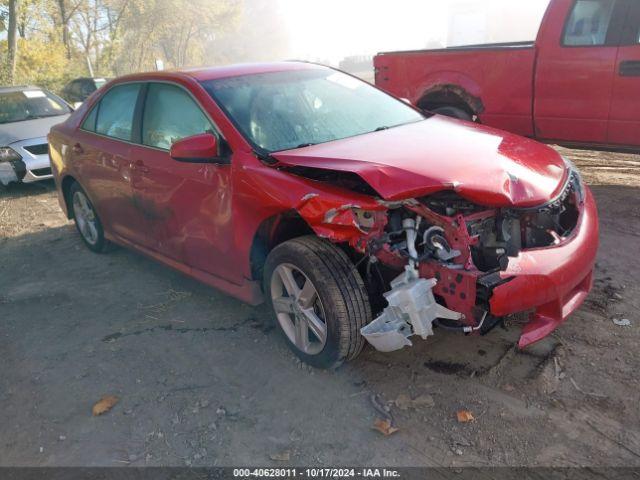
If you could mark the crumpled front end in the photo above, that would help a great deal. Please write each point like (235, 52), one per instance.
(446, 261)
(550, 282)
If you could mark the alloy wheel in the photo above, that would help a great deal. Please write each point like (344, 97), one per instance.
(299, 309)
(85, 218)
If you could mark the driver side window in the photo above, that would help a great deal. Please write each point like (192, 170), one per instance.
(588, 23)
(171, 114)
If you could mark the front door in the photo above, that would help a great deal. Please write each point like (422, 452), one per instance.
(575, 71)
(624, 120)
(188, 205)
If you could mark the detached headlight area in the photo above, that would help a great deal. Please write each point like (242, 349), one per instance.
(8, 154)
(12, 168)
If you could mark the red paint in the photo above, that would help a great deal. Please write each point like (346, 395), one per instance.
(568, 94)
(553, 280)
(486, 166)
(198, 147)
(203, 218)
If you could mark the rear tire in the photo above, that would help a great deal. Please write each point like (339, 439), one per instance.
(87, 221)
(454, 112)
(307, 265)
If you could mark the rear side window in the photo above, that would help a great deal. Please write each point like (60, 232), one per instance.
(171, 114)
(588, 23)
(90, 122)
(115, 115)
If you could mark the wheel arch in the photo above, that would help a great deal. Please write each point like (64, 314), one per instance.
(272, 232)
(65, 187)
(452, 95)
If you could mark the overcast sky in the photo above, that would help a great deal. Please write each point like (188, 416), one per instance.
(333, 29)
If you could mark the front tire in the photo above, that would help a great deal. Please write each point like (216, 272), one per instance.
(319, 300)
(87, 221)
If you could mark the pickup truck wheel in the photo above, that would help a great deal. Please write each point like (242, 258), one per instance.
(87, 220)
(319, 300)
(454, 112)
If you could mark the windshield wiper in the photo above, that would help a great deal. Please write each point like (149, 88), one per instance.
(308, 144)
(265, 157)
(379, 129)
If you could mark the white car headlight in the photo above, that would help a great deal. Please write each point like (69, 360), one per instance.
(8, 154)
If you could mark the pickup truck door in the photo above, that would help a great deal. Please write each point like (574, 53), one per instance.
(624, 119)
(577, 51)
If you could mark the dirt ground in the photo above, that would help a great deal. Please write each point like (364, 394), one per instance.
(206, 380)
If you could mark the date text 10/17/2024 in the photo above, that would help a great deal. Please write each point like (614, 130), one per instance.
(315, 473)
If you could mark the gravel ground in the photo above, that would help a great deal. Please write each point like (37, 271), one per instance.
(203, 379)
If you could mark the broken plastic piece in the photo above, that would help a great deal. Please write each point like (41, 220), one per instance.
(623, 322)
(412, 310)
(389, 331)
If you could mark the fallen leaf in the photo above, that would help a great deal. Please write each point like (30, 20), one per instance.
(105, 404)
(384, 427)
(465, 416)
(281, 457)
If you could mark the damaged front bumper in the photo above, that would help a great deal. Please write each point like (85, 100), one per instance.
(551, 281)
(31, 164)
(548, 281)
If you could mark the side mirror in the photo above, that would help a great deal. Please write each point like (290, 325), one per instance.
(201, 148)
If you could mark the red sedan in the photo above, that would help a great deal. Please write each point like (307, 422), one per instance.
(353, 214)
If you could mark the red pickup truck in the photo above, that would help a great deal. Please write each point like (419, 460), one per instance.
(578, 84)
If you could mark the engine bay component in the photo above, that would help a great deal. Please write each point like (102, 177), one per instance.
(434, 240)
(411, 311)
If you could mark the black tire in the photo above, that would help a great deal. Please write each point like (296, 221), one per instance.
(454, 112)
(341, 291)
(101, 244)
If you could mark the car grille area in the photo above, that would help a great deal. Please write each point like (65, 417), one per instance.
(40, 149)
(41, 172)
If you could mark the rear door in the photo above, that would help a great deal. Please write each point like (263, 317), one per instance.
(624, 119)
(575, 70)
(102, 158)
(188, 205)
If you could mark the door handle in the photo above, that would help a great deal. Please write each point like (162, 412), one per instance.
(77, 149)
(139, 166)
(630, 68)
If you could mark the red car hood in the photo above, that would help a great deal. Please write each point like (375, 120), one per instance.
(486, 166)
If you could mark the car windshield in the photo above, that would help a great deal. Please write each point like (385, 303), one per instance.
(292, 109)
(17, 106)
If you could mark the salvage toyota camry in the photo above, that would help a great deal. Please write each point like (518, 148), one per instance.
(354, 215)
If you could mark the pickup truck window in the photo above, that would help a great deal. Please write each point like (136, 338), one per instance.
(631, 34)
(588, 23)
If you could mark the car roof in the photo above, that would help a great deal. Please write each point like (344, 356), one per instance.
(89, 78)
(20, 88)
(213, 73)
